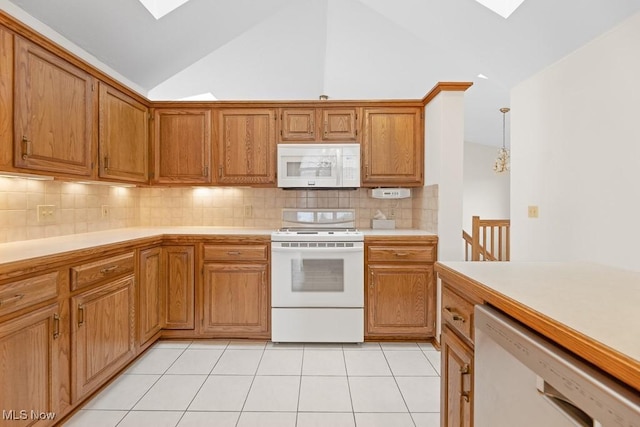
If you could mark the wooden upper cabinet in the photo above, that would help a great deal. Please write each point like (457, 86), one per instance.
(6, 99)
(246, 152)
(392, 147)
(339, 124)
(298, 124)
(319, 124)
(124, 136)
(182, 146)
(53, 112)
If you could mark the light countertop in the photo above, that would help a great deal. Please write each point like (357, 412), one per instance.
(597, 303)
(28, 249)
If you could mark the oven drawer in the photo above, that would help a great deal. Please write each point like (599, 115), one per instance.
(91, 273)
(236, 252)
(458, 313)
(23, 293)
(402, 253)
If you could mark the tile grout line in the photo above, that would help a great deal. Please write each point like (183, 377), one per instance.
(346, 372)
(203, 383)
(393, 375)
(152, 385)
(253, 379)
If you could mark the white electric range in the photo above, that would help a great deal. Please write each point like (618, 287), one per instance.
(317, 277)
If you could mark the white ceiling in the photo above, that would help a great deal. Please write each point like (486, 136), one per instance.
(347, 49)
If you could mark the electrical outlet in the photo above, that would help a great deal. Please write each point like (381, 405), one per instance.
(248, 211)
(533, 211)
(46, 213)
(105, 211)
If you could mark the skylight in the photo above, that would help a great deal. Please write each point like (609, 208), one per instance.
(207, 96)
(159, 8)
(503, 8)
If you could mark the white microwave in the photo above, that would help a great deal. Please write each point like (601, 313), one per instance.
(318, 165)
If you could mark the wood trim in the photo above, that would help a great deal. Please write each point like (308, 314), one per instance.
(445, 86)
(621, 366)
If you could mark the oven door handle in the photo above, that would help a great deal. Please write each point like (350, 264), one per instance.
(317, 250)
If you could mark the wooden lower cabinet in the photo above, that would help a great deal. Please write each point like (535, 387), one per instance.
(33, 378)
(400, 287)
(103, 333)
(236, 300)
(401, 300)
(179, 276)
(150, 303)
(456, 383)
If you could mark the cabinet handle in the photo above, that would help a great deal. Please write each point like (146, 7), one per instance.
(402, 254)
(234, 253)
(80, 315)
(465, 396)
(106, 162)
(372, 281)
(220, 171)
(26, 147)
(205, 172)
(464, 369)
(15, 298)
(56, 326)
(108, 270)
(455, 316)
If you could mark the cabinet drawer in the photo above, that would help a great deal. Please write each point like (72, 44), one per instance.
(235, 252)
(402, 253)
(458, 313)
(87, 274)
(21, 294)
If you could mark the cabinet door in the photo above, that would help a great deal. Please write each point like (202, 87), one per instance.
(246, 147)
(182, 146)
(456, 404)
(150, 292)
(236, 300)
(6, 99)
(53, 113)
(179, 267)
(392, 147)
(31, 378)
(104, 334)
(298, 124)
(401, 300)
(124, 141)
(339, 124)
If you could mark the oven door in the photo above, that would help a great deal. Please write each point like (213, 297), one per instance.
(328, 276)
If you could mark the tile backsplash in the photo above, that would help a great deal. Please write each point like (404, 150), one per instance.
(81, 208)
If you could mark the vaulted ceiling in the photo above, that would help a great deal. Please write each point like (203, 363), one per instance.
(346, 49)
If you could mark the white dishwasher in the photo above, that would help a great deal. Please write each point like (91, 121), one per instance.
(522, 379)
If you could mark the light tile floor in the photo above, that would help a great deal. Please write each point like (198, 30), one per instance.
(244, 383)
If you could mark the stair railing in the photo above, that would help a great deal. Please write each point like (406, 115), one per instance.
(489, 240)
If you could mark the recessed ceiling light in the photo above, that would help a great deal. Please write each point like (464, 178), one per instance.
(482, 76)
(159, 8)
(503, 8)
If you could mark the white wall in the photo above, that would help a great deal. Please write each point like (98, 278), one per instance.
(46, 31)
(485, 193)
(444, 141)
(576, 153)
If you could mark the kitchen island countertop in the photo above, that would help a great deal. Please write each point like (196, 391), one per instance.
(590, 309)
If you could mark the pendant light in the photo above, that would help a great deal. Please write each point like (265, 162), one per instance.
(502, 163)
